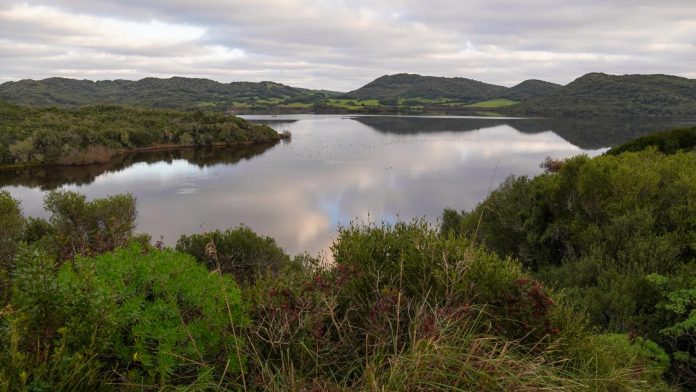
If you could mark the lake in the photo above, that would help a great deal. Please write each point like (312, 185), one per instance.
(335, 169)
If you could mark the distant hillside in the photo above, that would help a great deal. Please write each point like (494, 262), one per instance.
(409, 86)
(601, 94)
(176, 92)
(531, 88)
(594, 94)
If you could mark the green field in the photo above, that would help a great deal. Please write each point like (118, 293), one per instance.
(493, 103)
(297, 105)
(427, 102)
(352, 104)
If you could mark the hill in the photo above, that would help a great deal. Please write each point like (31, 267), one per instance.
(611, 95)
(594, 94)
(532, 88)
(175, 93)
(393, 87)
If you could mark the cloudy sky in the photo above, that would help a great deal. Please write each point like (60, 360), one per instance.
(343, 44)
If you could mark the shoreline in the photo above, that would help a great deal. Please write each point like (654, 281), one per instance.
(159, 147)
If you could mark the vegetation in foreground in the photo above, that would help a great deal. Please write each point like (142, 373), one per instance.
(88, 305)
(95, 134)
(616, 235)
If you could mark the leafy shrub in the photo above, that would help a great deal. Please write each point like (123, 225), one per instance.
(88, 228)
(53, 329)
(132, 318)
(674, 319)
(37, 229)
(239, 252)
(174, 316)
(551, 165)
(11, 226)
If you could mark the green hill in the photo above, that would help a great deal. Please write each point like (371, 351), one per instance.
(627, 95)
(531, 88)
(393, 87)
(594, 94)
(176, 92)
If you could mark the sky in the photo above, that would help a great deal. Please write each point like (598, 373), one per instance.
(343, 44)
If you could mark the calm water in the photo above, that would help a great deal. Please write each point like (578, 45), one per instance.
(334, 170)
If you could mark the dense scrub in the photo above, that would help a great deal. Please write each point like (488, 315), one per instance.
(97, 133)
(401, 308)
(239, 252)
(87, 305)
(171, 93)
(616, 233)
(129, 318)
(668, 142)
(404, 308)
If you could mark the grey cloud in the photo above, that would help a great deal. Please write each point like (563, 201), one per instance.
(343, 44)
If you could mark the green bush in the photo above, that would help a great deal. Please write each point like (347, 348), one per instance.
(239, 252)
(53, 329)
(11, 226)
(38, 230)
(596, 229)
(128, 317)
(84, 227)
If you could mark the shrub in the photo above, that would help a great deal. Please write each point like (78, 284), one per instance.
(176, 321)
(151, 319)
(37, 229)
(239, 252)
(11, 226)
(596, 229)
(404, 308)
(53, 329)
(551, 165)
(89, 228)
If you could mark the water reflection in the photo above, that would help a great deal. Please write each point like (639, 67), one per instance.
(581, 132)
(336, 169)
(53, 177)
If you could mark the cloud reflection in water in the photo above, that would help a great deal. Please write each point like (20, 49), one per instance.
(335, 169)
